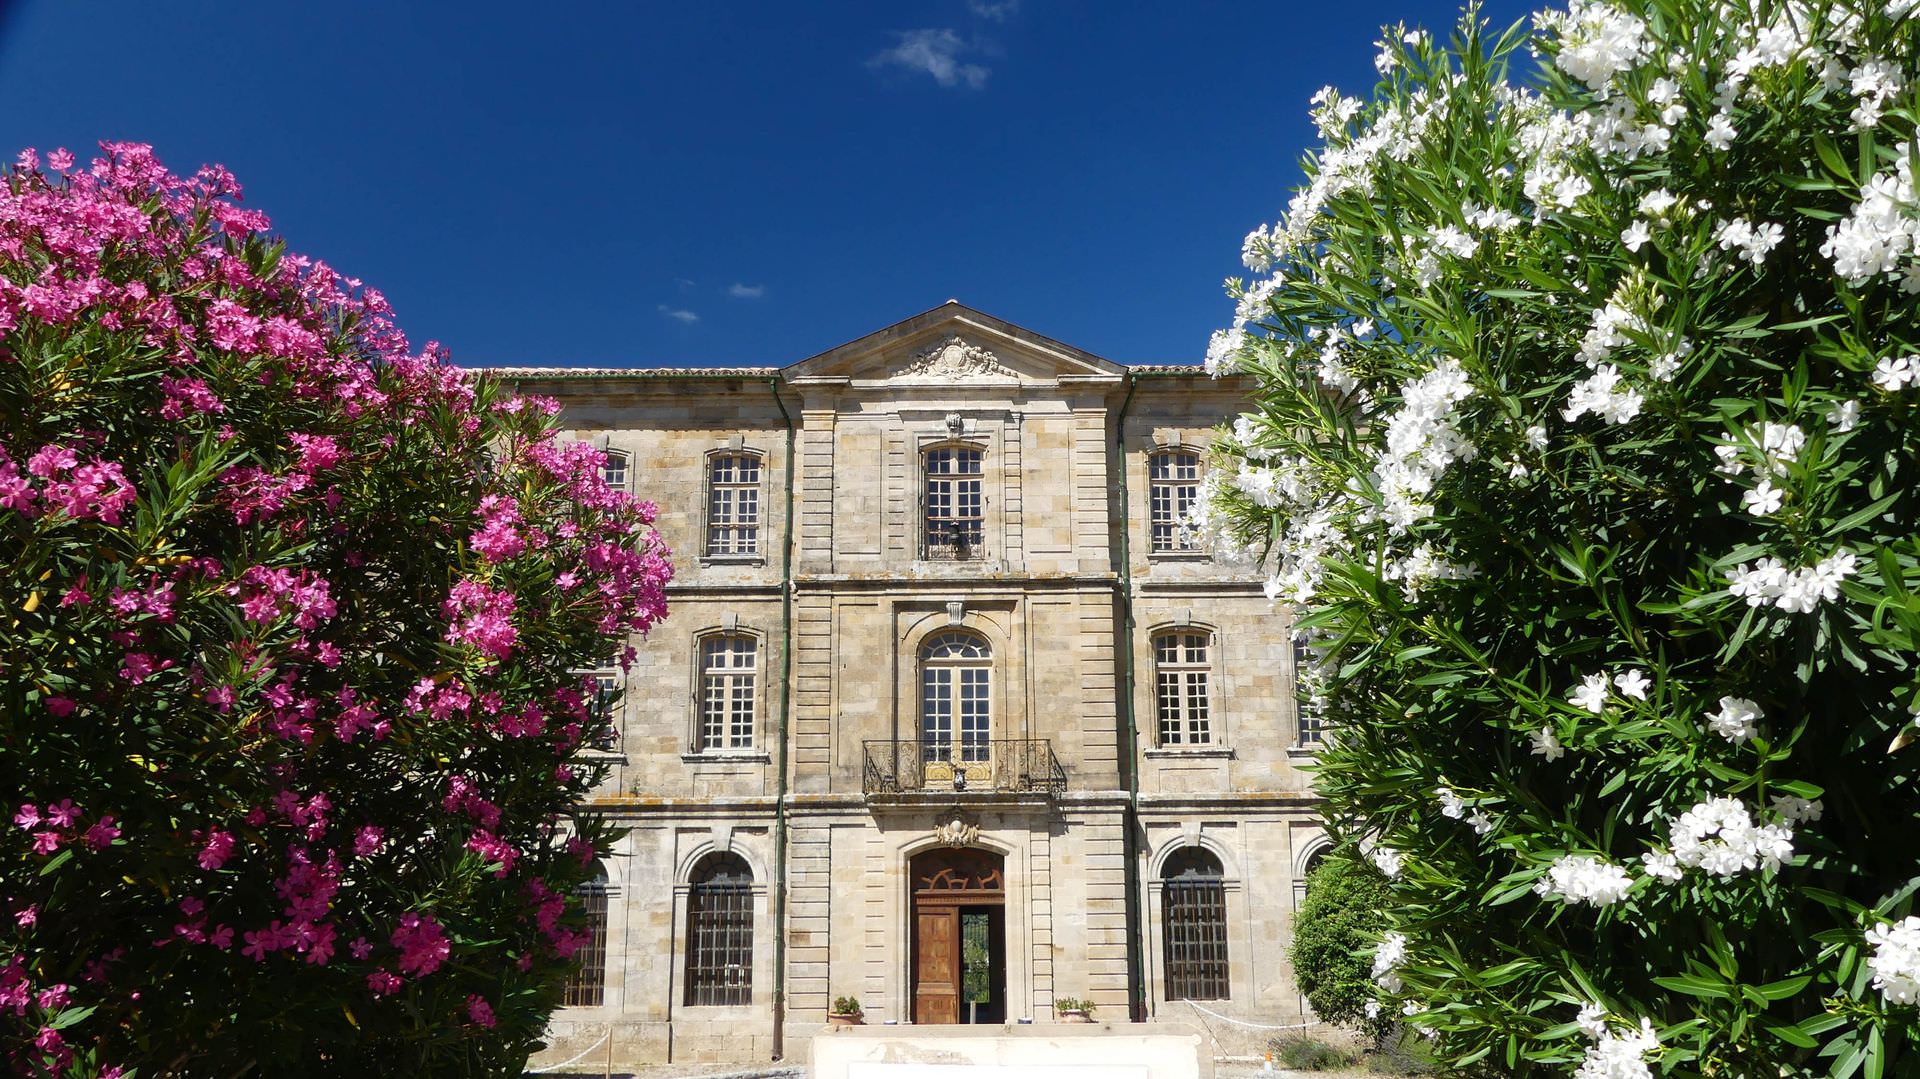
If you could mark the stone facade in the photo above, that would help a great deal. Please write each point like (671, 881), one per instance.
(814, 769)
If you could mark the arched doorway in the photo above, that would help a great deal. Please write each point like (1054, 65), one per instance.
(959, 937)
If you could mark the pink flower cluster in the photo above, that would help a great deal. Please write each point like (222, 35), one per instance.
(97, 490)
(266, 594)
(423, 945)
(60, 823)
(498, 537)
(481, 617)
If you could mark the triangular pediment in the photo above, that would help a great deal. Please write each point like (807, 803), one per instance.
(954, 345)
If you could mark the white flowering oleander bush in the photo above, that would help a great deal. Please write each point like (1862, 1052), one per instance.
(1585, 450)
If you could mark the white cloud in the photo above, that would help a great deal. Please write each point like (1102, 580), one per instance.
(997, 10)
(679, 314)
(934, 52)
(746, 292)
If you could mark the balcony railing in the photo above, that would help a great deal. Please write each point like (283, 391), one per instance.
(1008, 764)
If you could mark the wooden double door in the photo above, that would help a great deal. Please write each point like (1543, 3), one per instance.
(959, 938)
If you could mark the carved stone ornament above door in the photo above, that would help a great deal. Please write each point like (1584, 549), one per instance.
(955, 359)
(956, 829)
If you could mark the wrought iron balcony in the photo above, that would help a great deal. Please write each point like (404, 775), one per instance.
(1007, 764)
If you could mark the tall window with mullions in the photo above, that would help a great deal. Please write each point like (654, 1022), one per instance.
(956, 689)
(727, 677)
(1181, 673)
(1173, 485)
(720, 932)
(956, 509)
(733, 504)
(1194, 926)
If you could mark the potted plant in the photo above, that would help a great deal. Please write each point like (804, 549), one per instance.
(845, 1012)
(1073, 1010)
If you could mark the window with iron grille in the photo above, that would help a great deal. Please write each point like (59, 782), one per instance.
(588, 986)
(956, 514)
(614, 470)
(1181, 672)
(1194, 909)
(956, 682)
(1312, 725)
(727, 671)
(1173, 484)
(720, 932)
(733, 504)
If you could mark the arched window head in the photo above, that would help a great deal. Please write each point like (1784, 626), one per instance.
(1194, 913)
(720, 931)
(955, 506)
(733, 503)
(956, 696)
(614, 469)
(1182, 679)
(588, 986)
(1173, 485)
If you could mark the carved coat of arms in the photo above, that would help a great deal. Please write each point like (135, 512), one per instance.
(956, 359)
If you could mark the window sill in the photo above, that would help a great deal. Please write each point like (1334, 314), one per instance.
(1179, 556)
(1305, 749)
(728, 756)
(733, 560)
(595, 755)
(1180, 752)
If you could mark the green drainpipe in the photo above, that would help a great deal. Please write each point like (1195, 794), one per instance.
(1129, 737)
(780, 781)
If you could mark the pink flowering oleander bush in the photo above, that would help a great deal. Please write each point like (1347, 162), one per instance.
(1587, 452)
(290, 745)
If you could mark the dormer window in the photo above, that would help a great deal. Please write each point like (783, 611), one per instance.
(955, 508)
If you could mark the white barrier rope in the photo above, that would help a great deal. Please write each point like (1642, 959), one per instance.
(575, 1060)
(1255, 1026)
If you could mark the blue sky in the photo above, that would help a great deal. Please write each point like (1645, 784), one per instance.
(714, 183)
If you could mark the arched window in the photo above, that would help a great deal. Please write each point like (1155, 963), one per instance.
(1173, 484)
(1194, 925)
(588, 986)
(733, 503)
(727, 691)
(720, 931)
(1182, 673)
(956, 676)
(614, 470)
(955, 508)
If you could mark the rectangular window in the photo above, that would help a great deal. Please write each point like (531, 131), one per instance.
(1196, 929)
(1312, 725)
(720, 943)
(587, 988)
(606, 689)
(733, 504)
(956, 509)
(1173, 484)
(727, 693)
(1181, 674)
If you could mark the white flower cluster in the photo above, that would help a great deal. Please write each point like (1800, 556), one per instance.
(1753, 242)
(1583, 878)
(1719, 836)
(1591, 695)
(1616, 1054)
(1597, 42)
(1601, 395)
(1423, 566)
(1422, 439)
(1770, 581)
(1547, 744)
(1391, 952)
(1895, 374)
(1896, 960)
(1734, 721)
(1771, 447)
(1453, 806)
(1387, 860)
(1882, 231)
